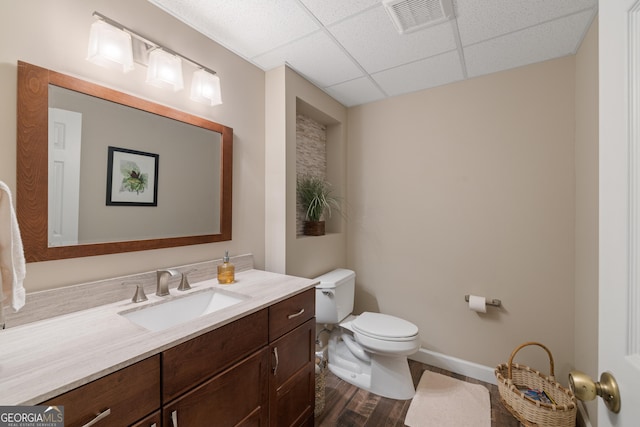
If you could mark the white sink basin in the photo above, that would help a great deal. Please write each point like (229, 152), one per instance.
(182, 309)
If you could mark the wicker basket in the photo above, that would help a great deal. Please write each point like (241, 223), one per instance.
(321, 368)
(528, 411)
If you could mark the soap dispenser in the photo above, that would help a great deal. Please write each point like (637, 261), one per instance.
(226, 271)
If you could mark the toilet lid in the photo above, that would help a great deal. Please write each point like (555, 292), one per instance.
(384, 326)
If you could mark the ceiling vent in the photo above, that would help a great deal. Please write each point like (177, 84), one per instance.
(412, 15)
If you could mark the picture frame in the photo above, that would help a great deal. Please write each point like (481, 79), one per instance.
(132, 177)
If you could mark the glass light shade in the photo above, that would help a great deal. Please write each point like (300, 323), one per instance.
(205, 88)
(165, 70)
(110, 47)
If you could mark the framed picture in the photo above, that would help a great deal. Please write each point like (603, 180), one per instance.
(132, 178)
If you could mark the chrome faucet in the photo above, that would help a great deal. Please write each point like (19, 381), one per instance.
(163, 281)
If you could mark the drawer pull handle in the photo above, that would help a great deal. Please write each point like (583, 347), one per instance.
(174, 418)
(275, 353)
(98, 417)
(291, 316)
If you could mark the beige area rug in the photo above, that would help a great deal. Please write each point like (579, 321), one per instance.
(447, 402)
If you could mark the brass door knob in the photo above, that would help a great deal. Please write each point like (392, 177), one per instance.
(586, 389)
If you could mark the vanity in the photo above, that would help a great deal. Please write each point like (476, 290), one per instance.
(251, 363)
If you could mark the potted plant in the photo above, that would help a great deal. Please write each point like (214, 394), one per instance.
(314, 194)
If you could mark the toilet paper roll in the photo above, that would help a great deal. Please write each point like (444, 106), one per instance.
(477, 304)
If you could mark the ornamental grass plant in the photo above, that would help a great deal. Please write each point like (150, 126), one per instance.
(314, 194)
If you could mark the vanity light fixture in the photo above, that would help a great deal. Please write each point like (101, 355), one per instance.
(164, 65)
(164, 70)
(110, 47)
(205, 87)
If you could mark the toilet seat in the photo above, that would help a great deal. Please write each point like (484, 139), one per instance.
(384, 327)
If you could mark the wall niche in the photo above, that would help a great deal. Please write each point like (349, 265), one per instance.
(316, 151)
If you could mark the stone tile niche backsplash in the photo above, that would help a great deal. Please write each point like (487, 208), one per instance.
(311, 155)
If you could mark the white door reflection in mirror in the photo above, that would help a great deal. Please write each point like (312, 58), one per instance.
(65, 134)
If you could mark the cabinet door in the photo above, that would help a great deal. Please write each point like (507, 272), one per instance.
(118, 399)
(236, 397)
(292, 377)
(152, 420)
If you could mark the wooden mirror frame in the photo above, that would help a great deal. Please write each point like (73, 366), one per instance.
(32, 165)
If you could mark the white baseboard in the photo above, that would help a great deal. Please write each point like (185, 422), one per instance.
(458, 366)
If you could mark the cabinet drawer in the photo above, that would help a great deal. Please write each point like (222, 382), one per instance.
(127, 395)
(292, 312)
(197, 360)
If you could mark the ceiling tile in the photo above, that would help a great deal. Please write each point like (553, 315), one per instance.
(316, 57)
(482, 20)
(372, 40)
(419, 75)
(540, 43)
(355, 92)
(330, 11)
(241, 26)
(352, 49)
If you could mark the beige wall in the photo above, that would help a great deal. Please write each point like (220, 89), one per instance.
(586, 158)
(469, 189)
(54, 34)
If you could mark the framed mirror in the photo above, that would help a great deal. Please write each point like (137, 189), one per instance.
(102, 172)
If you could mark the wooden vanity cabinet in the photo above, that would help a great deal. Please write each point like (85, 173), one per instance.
(121, 398)
(255, 371)
(274, 385)
(292, 377)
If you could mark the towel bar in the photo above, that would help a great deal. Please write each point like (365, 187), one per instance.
(493, 302)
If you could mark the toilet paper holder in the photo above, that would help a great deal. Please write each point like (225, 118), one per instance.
(492, 302)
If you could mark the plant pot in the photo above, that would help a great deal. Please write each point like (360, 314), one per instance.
(314, 228)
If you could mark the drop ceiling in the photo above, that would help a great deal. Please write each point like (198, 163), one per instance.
(352, 50)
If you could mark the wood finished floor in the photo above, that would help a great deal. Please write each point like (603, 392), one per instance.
(349, 406)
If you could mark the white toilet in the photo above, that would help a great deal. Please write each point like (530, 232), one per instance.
(370, 350)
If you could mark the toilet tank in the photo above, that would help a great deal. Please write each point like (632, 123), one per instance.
(334, 295)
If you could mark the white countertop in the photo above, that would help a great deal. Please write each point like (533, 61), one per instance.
(43, 359)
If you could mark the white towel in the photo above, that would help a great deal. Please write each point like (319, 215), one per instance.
(12, 263)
